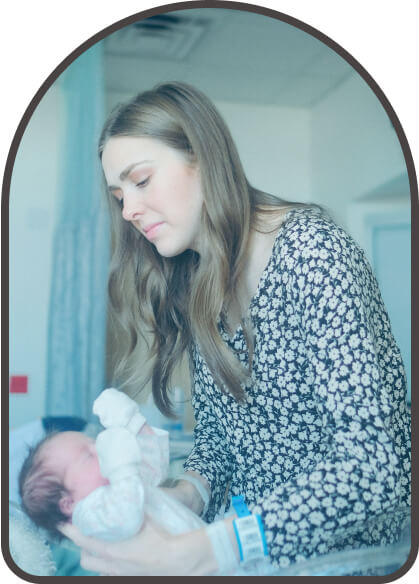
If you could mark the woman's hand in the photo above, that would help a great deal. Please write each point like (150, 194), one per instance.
(152, 552)
(187, 493)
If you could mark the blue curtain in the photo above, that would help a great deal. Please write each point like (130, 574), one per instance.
(77, 311)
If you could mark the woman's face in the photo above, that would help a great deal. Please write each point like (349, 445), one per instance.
(159, 190)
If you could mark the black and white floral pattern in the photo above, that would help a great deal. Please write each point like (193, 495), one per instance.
(321, 448)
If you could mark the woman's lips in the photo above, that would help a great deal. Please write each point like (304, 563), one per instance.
(151, 230)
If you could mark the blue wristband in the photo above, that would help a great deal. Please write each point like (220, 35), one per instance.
(249, 532)
(240, 506)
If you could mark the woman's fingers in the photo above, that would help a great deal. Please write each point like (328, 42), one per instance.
(149, 552)
(95, 547)
(68, 530)
(95, 564)
(94, 554)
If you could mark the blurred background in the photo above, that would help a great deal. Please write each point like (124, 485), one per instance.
(307, 126)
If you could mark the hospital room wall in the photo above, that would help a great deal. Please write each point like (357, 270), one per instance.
(355, 149)
(360, 174)
(32, 216)
(274, 144)
(288, 154)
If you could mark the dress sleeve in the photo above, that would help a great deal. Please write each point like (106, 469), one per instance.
(349, 345)
(112, 512)
(210, 455)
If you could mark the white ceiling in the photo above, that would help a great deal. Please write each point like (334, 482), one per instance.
(232, 55)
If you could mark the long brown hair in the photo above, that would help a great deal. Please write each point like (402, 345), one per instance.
(179, 300)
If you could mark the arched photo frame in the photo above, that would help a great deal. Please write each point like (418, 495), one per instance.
(373, 182)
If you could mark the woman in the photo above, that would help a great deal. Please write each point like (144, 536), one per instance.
(298, 385)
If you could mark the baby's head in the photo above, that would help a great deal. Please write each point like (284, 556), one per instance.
(60, 471)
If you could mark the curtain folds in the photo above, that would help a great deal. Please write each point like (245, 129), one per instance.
(78, 298)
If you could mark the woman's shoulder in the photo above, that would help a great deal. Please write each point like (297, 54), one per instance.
(309, 233)
(307, 218)
(311, 226)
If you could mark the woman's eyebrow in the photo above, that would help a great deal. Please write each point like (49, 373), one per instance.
(128, 169)
(126, 172)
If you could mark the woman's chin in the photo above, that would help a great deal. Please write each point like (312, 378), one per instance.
(168, 251)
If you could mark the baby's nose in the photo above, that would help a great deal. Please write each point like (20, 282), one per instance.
(92, 448)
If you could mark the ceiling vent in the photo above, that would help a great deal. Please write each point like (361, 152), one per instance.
(163, 36)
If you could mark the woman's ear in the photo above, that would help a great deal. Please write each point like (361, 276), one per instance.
(66, 504)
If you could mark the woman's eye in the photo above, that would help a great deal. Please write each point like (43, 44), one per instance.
(143, 183)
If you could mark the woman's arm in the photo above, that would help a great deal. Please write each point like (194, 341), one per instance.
(357, 383)
(152, 552)
(210, 459)
(186, 491)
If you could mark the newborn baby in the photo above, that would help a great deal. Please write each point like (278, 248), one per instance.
(98, 485)
(105, 486)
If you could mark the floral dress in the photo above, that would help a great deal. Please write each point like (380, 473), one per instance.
(321, 448)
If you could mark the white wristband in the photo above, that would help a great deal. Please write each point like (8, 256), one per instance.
(223, 548)
(199, 487)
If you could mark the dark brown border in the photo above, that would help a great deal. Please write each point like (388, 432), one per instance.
(5, 233)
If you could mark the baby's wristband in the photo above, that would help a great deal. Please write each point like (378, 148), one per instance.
(199, 487)
(222, 547)
(249, 532)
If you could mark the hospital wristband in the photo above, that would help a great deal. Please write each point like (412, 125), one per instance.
(249, 532)
(222, 547)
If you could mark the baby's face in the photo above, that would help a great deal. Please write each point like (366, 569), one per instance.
(72, 457)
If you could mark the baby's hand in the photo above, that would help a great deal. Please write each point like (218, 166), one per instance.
(118, 453)
(115, 408)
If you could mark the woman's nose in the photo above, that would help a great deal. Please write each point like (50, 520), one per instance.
(133, 207)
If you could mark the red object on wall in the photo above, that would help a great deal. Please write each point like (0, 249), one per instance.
(18, 384)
